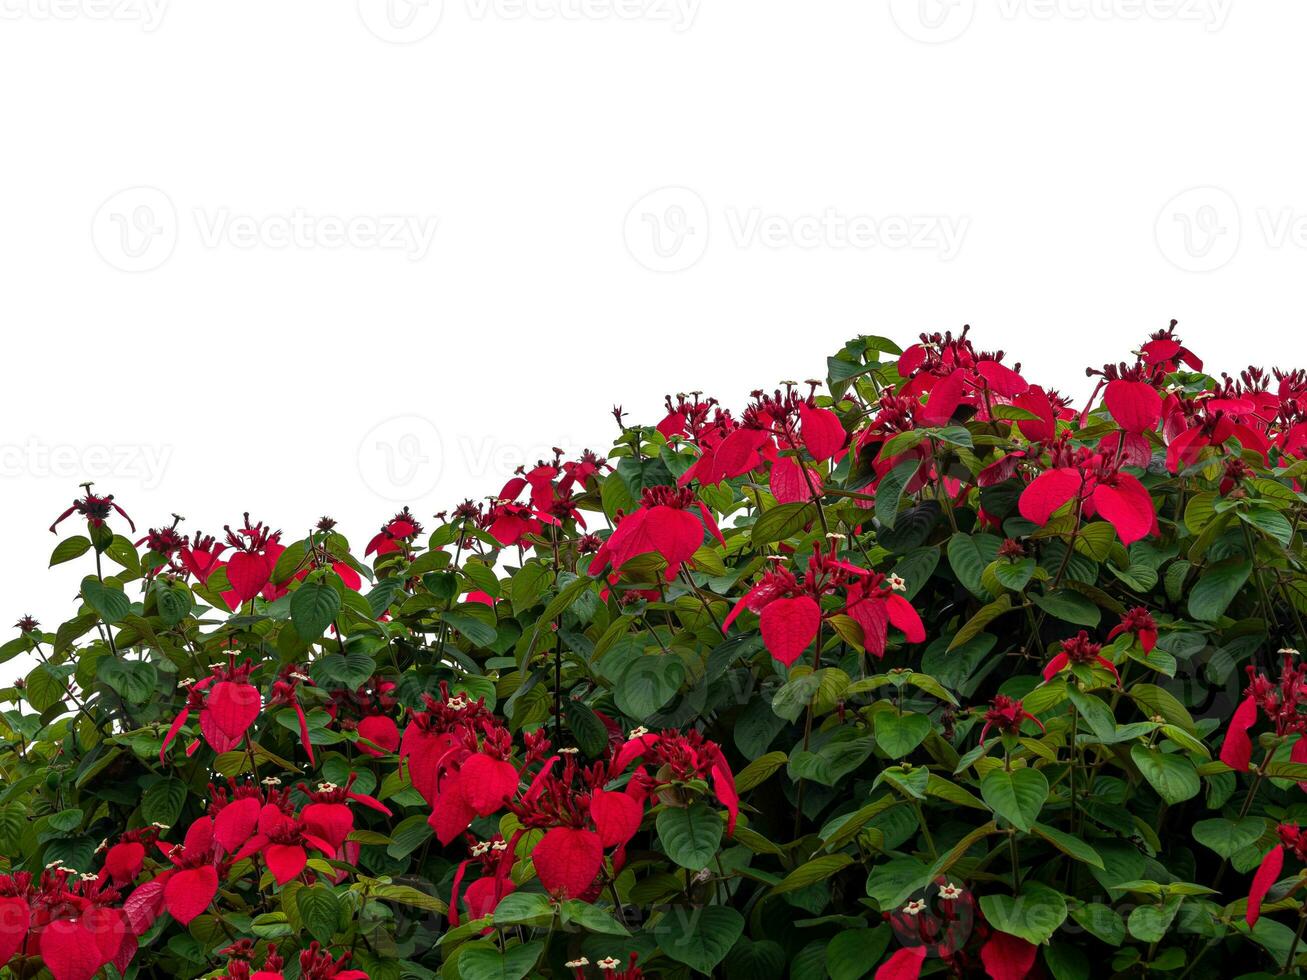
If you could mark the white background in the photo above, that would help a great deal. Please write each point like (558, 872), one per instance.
(205, 310)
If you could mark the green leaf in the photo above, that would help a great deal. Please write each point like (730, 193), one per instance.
(485, 962)
(690, 835)
(818, 869)
(313, 606)
(45, 688)
(1069, 606)
(133, 680)
(162, 803)
(320, 911)
(173, 600)
(1217, 587)
(968, 556)
(699, 938)
(1018, 796)
(890, 491)
(592, 919)
(479, 634)
(1228, 837)
(1172, 775)
(1270, 522)
(781, 522)
(111, 603)
(1069, 845)
(647, 684)
(70, 548)
(1034, 915)
(851, 953)
(897, 735)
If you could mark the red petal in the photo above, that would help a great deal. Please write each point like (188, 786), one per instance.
(1002, 380)
(451, 814)
(1267, 875)
(188, 893)
(1047, 492)
(786, 481)
(381, 731)
(902, 615)
(788, 626)
(285, 861)
(1135, 405)
(1007, 957)
(616, 816)
(229, 710)
(822, 434)
(944, 399)
(15, 919)
(487, 783)
(235, 823)
(70, 951)
(568, 860)
(1237, 750)
(122, 863)
(903, 965)
(1055, 666)
(1127, 506)
(330, 821)
(248, 574)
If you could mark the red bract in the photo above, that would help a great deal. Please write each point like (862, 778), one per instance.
(1285, 705)
(395, 535)
(73, 922)
(1292, 841)
(677, 757)
(1096, 484)
(250, 566)
(1006, 715)
(228, 705)
(666, 524)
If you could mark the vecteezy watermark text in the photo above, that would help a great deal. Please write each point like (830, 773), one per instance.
(142, 463)
(138, 229)
(667, 230)
(147, 13)
(938, 21)
(409, 21)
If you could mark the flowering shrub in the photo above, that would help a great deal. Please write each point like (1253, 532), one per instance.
(921, 670)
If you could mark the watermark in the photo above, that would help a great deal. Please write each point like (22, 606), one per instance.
(401, 458)
(147, 14)
(401, 21)
(409, 21)
(139, 463)
(667, 230)
(1202, 229)
(135, 230)
(938, 21)
(1199, 229)
(138, 230)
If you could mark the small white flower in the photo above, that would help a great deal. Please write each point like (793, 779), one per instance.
(914, 908)
(577, 964)
(834, 536)
(897, 583)
(499, 845)
(950, 890)
(270, 781)
(457, 703)
(608, 963)
(160, 826)
(186, 682)
(1288, 650)
(480, 848)
(327, 787)
(88, 876)
(103, 844)
(53, 864)
(569, 750)
(639, 732)
(296, 675)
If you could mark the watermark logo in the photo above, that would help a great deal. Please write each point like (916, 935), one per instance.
(1199, 229)
(148, 14)
(401, 21)
(667, 229)
(401, 458)
(932, 21)
(135, 230)
(138, 229)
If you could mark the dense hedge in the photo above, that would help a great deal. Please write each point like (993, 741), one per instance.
(919, 670)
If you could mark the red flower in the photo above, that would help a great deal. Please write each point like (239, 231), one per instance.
(1006, 714)
(680, 757)
(1141, 623)
(1079, 650)
(228, 706)
(250, 567)
(94, 508)
(1097, 484)
(1280, 702)
(1292, 840)
(395, 534)
(664, 525)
